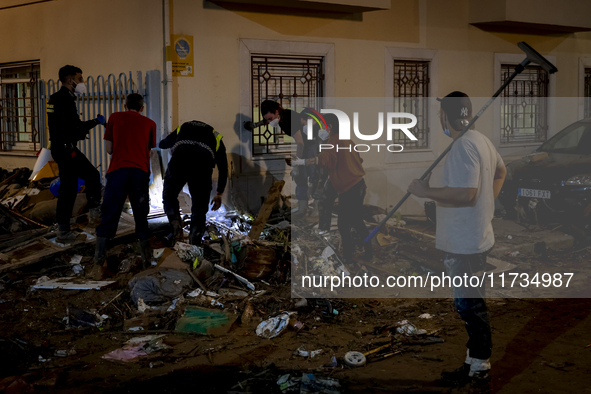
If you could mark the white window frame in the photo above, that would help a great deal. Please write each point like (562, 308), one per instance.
(248, 47)
(521, 147)
(415, 54)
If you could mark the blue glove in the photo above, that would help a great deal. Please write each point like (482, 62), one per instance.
(101, 120)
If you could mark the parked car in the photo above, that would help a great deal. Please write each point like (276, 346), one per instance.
(554, 181)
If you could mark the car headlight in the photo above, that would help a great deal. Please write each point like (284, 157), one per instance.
(579, 180)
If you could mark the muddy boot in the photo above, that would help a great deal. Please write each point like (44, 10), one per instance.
(100, 259)
(195, 236)
(177, 229)
(94, 217)
(145, 252)
(66, 236)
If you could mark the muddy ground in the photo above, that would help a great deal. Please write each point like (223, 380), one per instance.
(540, 345)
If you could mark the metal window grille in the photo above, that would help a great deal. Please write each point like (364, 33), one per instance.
(19, 107)
(411, 89)
(524, 107)
(587, 93)
(294, 82)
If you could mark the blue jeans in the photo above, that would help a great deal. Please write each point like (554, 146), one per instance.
(470, 304)
(121, 183)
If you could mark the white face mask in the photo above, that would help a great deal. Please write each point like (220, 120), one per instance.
(80, 89)
(274, 122)
(323, 134)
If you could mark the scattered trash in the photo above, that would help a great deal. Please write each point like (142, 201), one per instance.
(333, 362)
(296, 325)
(354, 359)
(77, 269)
(304, 353)
(69, 283)
(514, 254)
(157, 253)
(76, 259)
(426, 316)
(233, 293)
(274, 326)
(195, 293)
(248, 313)
(406, 328)
(205, 321)
(159, 285)
(302, 303)
(126, 264)
(312, 384)
(509, 237)
(188, 253)
(79, 317)
(240, 278)
(65, 353)
(43, 360)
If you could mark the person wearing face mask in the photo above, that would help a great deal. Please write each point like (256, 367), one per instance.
(65, 130)
(291, 123)
(345, 180)
(473, 175)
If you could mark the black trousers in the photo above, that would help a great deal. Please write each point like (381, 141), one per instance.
(72, 165)
(121, 183)
(325, 205)
(351, 216)
(182, 170)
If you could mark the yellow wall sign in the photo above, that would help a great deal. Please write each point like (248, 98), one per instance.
(182, 55)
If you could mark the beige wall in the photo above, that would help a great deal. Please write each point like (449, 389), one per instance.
(114, 36)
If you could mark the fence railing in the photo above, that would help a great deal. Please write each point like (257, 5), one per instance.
(104, 96)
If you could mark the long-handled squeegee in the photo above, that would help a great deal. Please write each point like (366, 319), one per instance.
(531, 57)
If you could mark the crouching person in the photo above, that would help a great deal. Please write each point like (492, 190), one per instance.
(196, 150)
(129, 138)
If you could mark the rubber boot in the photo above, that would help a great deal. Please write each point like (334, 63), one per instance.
(94, 217)
(177, 229)
(66, 236)
(145, 252)
(100, 259)
(195, 236)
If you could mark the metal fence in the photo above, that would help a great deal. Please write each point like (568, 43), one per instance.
(104, 96)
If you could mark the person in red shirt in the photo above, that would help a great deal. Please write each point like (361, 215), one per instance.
(128, 139)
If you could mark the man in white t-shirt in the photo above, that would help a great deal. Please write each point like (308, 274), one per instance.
(473, 175)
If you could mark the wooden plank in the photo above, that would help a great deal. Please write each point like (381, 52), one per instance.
(68, 283)
(265, 211)
(35, 251)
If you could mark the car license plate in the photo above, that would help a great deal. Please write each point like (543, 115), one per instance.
(534, 193)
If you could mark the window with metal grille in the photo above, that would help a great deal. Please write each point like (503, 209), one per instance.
(411, 89)
(19, 107)
(587, 93)
(524, 106)
(294, 82)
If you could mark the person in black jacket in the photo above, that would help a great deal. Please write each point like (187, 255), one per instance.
(196, 149)
(65, 130)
